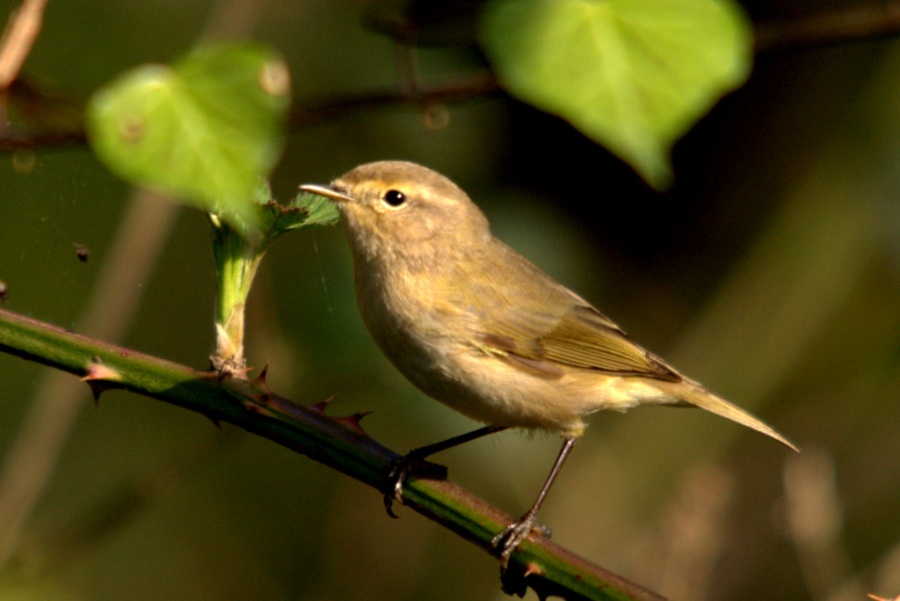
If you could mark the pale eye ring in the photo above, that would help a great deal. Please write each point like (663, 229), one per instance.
(394, 198)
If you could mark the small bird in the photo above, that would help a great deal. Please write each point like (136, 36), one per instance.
(476, 326)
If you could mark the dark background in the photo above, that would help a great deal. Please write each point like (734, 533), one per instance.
(770, 272)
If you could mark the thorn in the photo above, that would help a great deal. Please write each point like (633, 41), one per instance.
(82, 252)
(257, 409)
(260, 382)
(225, 371)
(533, 569)
(352, 421)
(262, 398)
(260, 403)
(322, 405)
(97, 388)
(98, 377)
(97, 371)
(260, 389)
(261, 378)
(240, 372)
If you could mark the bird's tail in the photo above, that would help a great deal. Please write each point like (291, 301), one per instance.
(693, 394)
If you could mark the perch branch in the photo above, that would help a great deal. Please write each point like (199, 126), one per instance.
(337, 442)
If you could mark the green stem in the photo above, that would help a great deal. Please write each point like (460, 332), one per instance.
(338, 443)
(237, 258)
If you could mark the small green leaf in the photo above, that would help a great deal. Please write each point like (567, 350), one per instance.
(320, 210)
(304, 211)
(205, 129)
(632, 74)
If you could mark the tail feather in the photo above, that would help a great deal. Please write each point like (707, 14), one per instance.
(702, 398)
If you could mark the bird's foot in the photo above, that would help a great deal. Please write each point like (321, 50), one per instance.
(506, 541)
(398, 471)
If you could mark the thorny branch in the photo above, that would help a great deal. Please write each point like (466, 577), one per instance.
(339, 443)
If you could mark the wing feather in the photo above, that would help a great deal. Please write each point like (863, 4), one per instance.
(542, 327)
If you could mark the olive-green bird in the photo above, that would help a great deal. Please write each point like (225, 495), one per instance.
(475, 325)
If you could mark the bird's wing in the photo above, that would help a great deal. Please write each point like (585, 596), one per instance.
(583, 337)
(562, 330)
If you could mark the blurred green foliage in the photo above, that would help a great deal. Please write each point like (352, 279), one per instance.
(204, 130)
(629, 74)
(770, 271)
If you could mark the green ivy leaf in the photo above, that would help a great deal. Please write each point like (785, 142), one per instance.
(304, 211)
(319, 210)
(632, 74)
(205, 129)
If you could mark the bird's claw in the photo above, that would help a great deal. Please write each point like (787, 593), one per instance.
(393, 488)
(400, 468)
(508, 539)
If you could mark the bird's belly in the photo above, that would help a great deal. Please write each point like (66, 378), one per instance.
(435, 353)
(487, 389)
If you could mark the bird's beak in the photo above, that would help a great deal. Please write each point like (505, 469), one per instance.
(326, 191)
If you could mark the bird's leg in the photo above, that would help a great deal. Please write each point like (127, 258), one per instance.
(401, 467)
(509, 538)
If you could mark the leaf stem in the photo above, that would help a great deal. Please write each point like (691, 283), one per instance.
(237, 257)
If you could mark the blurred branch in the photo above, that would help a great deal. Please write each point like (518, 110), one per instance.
(337, 442)
(856, 23)
(815, 525)
(303, 114)
(695, 532)
(32, 456)
(821, 29)
(18, 38)
(476, 86)
(42, 140)
(118, 509)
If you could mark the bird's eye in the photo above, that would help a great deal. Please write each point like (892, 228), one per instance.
(394, 198)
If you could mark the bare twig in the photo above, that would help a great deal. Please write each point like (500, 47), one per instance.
(849, 25)
(18, 39)
(43, 140)
(694, 532)
(31, 460)
(815, 523)
(329, 108)
(857, 23)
